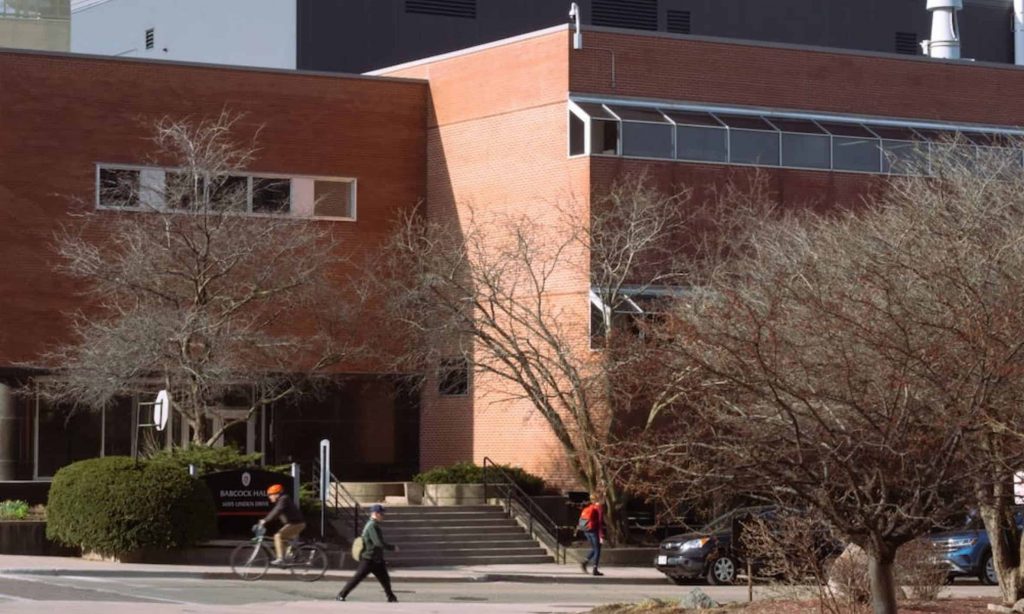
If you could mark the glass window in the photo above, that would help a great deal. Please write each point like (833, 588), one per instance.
(646, 140)
(453, 377)
(799, 126)
(702, 143)
(754, 147)
(856, 154)
(806, 150)
(182, 191)
(604, 137)
(839, 129)
(271, 195)
(693, 118)
(334, 199)
(66, 435)
(595, 111)
(118, 187)
(229, 193)
(576, 133)
(117, 427)
(746, 122)
(903, 157)
(639, 115)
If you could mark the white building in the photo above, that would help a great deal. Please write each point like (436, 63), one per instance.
(238, 32)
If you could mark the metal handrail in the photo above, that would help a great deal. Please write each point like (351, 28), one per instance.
(537, 517)
(341, 500)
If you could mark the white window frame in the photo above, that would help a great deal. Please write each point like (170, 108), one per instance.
(153, 178)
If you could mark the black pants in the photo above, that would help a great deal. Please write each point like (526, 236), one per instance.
(366, 567)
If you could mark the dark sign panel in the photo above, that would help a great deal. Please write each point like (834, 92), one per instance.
(244, 492)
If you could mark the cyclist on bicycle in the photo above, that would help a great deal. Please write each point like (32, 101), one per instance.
(292, 518)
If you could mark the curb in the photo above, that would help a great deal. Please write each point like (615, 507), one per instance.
(272, 577)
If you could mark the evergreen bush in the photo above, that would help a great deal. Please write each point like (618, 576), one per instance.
(115, 505)
(207, 459)
(471, 473)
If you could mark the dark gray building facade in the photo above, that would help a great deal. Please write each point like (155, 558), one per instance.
(363, 35)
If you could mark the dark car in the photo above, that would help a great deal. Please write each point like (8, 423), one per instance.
(967, 550)
(708, 552)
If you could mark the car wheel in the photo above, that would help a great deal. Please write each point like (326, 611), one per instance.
(988, 575)
(722, 571)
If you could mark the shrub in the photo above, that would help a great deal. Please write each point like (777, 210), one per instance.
(114, 505)
(207, 459)
(920, 570)
(471, 473)
(13, 509)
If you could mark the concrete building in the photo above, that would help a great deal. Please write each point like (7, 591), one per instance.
(35, 24)
(512, 125)
(362, 35)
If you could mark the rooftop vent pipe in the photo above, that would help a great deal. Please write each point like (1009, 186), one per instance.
(945, 41)
(1018, 31)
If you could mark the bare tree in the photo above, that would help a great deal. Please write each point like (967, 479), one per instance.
(187, 291)
(493, 293)
(861, 364)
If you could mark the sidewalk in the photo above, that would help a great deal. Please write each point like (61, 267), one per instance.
(539, 573)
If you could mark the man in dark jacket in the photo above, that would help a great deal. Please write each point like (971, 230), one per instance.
(372, 559)
(291, 517)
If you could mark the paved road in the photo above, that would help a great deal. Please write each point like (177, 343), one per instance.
(79, 594)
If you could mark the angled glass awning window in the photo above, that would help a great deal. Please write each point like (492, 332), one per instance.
(792, 139)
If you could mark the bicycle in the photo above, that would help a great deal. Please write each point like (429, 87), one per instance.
(250, 561)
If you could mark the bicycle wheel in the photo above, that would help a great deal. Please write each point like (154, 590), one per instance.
(310, 563)
(250, 561)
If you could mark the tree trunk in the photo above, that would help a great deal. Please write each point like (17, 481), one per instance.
(1006, 556)
(883, 586)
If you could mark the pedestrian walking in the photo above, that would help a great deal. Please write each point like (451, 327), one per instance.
(592, 524)
(372, 558)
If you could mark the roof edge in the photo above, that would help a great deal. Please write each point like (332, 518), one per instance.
(203, 65)
(746, 42)
(469, 50)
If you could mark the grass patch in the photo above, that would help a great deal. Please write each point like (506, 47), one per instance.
(13, 509)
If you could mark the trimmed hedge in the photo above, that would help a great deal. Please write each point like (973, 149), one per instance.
(471, 473)
(114, 505)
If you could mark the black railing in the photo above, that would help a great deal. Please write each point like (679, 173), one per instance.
(516, 501)
(339, 502)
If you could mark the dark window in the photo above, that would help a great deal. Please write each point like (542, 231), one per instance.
(678, 22)
(66, 435)
(805, 150)
(851, 153)
(903, 157)
(635, 14)
(149, 38)
(646, 140)
(119, 187)
(453, 377)
(333, 199)
(117, 427)
(907, 43)
(576, 133)
(270, 195)
(229, 193)
(754, 147)
(701, 143)
(604, 137)
(182, 191)
(444, 8)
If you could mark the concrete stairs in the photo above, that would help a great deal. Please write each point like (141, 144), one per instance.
(458, 535)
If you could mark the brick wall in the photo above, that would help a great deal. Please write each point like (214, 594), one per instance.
(61, 114)
(762, 75)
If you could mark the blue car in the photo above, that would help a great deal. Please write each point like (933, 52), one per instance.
(967, 550)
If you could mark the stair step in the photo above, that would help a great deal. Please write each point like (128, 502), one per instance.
(453, 549)
(440, 509)
(469, 545)
(441, 534)
(429, 561)
(429, 524)
(445, 516)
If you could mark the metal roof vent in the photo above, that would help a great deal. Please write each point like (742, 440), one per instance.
(945, 41)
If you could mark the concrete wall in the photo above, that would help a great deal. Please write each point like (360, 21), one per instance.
(40, 34)
(237, 32)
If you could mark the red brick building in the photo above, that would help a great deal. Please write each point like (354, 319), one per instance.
(516, 125)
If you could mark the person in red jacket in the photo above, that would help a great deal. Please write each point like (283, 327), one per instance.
(592, 525)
